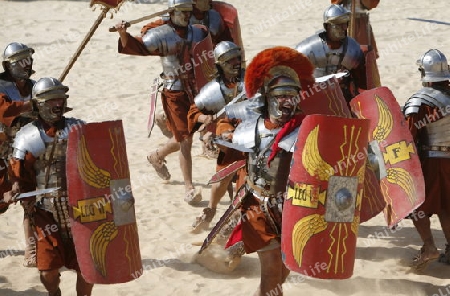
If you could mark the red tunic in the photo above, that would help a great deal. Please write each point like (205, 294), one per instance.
(9, 111)
(436, 171)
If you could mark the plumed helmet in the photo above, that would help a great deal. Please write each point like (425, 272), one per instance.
(433, 66)
(278, 68)
(16, 51)
(183, 5)
(226, 50)
(336, 14)
(48, 88)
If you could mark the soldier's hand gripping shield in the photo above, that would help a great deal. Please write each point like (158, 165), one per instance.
(325, 187)
(393, 153)
(101, 203)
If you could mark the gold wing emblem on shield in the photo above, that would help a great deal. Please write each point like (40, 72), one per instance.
(313, 162)
(398, 176)
(89, 171)
(303, 230)
(99, 242)
(385, 121)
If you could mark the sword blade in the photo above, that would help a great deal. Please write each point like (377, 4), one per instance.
(36, 192)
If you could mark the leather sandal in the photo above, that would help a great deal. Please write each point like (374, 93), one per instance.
(193, 196)
(421, 260)
(202, 222)
(159, 165)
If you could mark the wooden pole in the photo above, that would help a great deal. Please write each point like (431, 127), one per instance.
(83, 43)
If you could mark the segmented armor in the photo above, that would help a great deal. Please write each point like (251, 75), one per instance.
(264, 182)
(329, 61)
(435, 140)
(167, 43)
(215, 95)
(50, 167)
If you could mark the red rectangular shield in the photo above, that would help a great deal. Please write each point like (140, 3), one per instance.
(401, 176)
(322, 208)
(101, 204)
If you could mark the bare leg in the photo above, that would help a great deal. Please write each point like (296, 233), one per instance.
(273, 273)
(192, 196)
(444, 219)
(186, 162)
(50, 280)
(83, 288)
(169, 147)
(429, 250)
(218, 190)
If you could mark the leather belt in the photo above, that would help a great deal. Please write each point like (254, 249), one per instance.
(436, 148)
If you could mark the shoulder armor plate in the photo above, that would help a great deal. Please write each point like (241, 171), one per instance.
(314, 49)
(210, 97)
(245, 132)
(427, 96)
(162, 38)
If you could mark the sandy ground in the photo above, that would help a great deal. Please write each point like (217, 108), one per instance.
(107, 86)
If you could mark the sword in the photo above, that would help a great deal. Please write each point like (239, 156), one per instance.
(232, 145)
(226, 171)
(25, 195)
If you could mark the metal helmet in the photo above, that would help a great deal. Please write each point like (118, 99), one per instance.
(226, 50)
(336, 14)
(183, 5)
(202, 5)
(433, 66)
(178, 14)
(46, 89)
(224, 53)
(17, 59)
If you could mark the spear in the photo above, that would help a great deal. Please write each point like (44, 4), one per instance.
(106, 6)
(352, 32)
